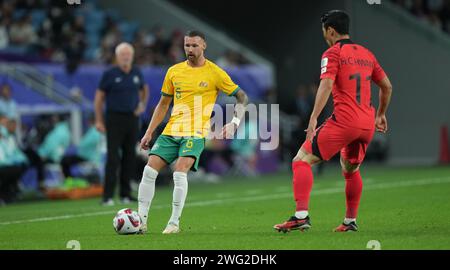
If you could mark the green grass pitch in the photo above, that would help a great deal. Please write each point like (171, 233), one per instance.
(401, 208)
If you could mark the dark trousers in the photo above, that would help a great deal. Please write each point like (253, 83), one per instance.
(9, 178)
(37, 162)
(121, 136)
(68, 161)
(208, 155)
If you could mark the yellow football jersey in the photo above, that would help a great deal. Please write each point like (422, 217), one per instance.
(194, 92)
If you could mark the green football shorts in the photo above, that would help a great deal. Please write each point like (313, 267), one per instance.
(170, 148)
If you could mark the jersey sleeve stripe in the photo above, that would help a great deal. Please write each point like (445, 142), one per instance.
(165, 94)
(235, 91)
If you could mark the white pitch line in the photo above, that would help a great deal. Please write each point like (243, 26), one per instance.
(283, 188)
(253, 191)
(224, 194)
(57, 218)
(418, 182)
(368, 180)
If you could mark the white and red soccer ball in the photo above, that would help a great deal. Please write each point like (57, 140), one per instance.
(127, 221)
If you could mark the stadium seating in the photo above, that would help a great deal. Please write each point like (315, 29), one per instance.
(251, 78)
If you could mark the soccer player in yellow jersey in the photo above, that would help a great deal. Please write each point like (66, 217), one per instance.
(193, 86)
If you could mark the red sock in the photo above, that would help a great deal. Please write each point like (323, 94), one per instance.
(302, 184)
(353, 190)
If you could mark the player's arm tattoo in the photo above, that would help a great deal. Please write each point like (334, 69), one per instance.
(241, 104)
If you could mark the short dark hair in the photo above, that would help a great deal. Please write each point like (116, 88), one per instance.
(338, 19)
(196, 33)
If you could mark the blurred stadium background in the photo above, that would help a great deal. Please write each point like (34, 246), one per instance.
(52, 55)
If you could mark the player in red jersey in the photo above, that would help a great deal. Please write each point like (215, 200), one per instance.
(347, 70)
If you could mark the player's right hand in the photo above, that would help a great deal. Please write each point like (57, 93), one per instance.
(100, 126)
(145, 141)
(381, 123)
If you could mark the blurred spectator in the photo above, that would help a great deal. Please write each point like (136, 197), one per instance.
(74, 43)
(8, 106)
(77, 27)
(59, 14)
(216, 152)
(245, 148)
(13, 162)
(231, 59)
(109, 42)
(51, 150)
(435, 12)
(108, 23)
(89, 150)
(175, 51)
(7, 9)
(158, 45)
(40, 127)
(61, 35)
(22, 32)
(4, 37)
(142, 44)
(55, 143)
(46, 37)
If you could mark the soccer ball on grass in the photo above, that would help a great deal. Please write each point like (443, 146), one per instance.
(127, 221)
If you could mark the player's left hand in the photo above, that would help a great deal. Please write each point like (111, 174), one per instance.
(311, 130)
(228, 130)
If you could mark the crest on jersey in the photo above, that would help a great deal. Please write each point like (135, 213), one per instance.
(203, 84)
(136, 79)
(324, 62)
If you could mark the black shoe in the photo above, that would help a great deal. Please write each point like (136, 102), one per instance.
(347, 227)
(294, 223)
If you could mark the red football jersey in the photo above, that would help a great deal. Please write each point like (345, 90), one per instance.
(352, 67)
